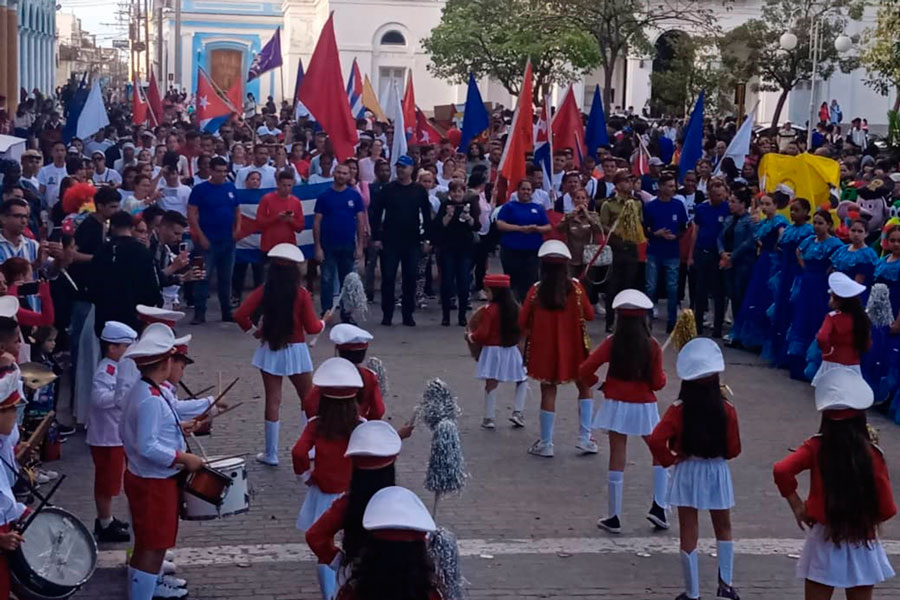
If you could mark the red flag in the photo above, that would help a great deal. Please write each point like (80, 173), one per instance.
(138, 105)
(323, 93)
(426, 133)
(520, 141)
(409, 110)
(155, 101)
(568, 128)
(212, 108)
(235, 96)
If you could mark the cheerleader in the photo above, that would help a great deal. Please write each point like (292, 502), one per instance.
(809, 301)
(394, 561)
(286, 316)
(698, 434)
(553, 319)
(845, 333)
(629, 404)
(856, 260)
(329, 433)
(751, 322)
(500, 360)
(786, 270)
(849, 494)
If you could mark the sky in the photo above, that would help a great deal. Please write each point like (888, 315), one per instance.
(97, 17)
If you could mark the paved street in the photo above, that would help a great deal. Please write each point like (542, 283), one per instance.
(526, 525)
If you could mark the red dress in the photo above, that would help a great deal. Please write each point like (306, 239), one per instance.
(371, 408)
(557, 339)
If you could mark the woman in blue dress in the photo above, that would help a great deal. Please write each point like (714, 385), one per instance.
(809, 298)
(787, 269)
(752, 324)
(887, 271)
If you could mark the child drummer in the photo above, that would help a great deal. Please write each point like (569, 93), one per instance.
(10, 509)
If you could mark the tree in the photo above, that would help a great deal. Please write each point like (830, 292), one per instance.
(496, 37)
(881, 57)
(754, 49)
(689, 65)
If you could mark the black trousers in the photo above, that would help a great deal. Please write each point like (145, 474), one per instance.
(522, 266)
(710, 282)
(626, 273)
(405, 257)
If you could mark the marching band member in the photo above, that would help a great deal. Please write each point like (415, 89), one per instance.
(329, 433)
(849, 493)
(103, 432)
(629, 405)
(10, 509)
(553, 320)
(351, 342)
(845, 333)
(498, 334)
(153, 436)
(187, 409)
(698, 434)
(287, 315)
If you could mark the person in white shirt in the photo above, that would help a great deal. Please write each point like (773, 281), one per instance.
(201, 172)
(261, 164)
(50, 176)
(445, 172)
(103, 175)
(270, 127)
(326, 164)
(128, 158)
(98, 142)
(175, 194)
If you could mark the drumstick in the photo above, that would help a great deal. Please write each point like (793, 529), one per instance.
(218, 458)
(225, 410)
(218, 398)
(192, 394)
(202, 449)
(41, 506)
(38, 434)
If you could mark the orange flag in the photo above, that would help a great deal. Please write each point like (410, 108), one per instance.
(520, 140)
(138, 105)
(409, 110)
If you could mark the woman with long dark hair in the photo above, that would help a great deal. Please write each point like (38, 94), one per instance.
(699, 434)
(857, 260)
(498, 334)
(554, 321)
(522, 225)
(845, 334)
(849, 494)
(455, 225)
(283, 314)
(629, 404)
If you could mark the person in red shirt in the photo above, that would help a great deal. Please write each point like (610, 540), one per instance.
(283, 314)
(329, 434)
(699, 434)
(845, 334)
(849, 493)
(629, 405)
(497, 334)
(280, 214)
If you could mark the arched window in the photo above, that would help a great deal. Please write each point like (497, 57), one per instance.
(393, 38)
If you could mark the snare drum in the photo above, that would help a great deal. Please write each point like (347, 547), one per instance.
(236, 498)
(58, 556)
(207, 484)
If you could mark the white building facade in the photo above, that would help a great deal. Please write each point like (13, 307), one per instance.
(37, 45)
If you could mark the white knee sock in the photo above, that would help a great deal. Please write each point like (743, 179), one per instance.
(585, 416)
(326, 577)
(547, 418)
(660, 485)
(725, 550)
(615, 483)
(690, 569)
(490, 404)
(141, 585)
(272, 428)
(521, 396)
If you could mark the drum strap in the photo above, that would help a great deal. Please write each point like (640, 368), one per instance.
(171, 408)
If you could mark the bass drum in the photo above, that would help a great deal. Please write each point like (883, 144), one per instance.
(58, 556)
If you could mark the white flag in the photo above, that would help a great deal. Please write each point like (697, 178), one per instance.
(394, 112)
(93, 116)
(739, 147)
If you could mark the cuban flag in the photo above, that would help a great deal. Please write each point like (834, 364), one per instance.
(543, 147)
(212, 109)
(354, 92)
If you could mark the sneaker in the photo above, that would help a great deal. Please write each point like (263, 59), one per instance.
(684, 596)
(120, 524)
(539, 448)
(610, 524)
(168, 567)
(51, 475)
(726, 592)
(235, 302)
(461, 321)
(197, 320)
(517, 419)
(265, 459)
(386, 322)
(173, 581)
(488, 424)
(170, 556)
(588, 446)
(657, 516)
(409, 322)
(482, 295)
(65, 430)
(110, 534)
(167, 591)
(41, 478)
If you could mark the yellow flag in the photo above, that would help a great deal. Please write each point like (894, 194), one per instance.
(810, 176)
(370, 101)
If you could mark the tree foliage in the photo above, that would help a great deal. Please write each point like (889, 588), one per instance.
(496, 37)
(693, 66)
(881, 51)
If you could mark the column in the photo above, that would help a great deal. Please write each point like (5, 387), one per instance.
(12, 60)
(4, 52)
(42, 64)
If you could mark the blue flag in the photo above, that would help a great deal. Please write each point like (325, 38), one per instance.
(476, 118)
(73, 110)
(692, 147)
(268, 58)
(596, 134)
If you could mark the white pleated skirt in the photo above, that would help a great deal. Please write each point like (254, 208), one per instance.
(501, 363)
(827, 365)
(314, 505)
(844, 566)
(290, 360)
(701, 483)
(627, 418)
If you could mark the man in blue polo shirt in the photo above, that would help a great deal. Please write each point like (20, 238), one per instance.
(665, 219)
(708, 219)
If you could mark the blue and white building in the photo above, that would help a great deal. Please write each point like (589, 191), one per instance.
(37, 45)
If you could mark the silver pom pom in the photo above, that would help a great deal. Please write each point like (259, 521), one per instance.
(437, 404)
(353, 296)
(375, 365)
(879, 306)
(444, 551)
(446, 465)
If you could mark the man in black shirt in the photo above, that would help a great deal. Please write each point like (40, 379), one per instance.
(400, 216)
(382, 178)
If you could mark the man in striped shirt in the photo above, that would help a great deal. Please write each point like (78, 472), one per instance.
(14, 215)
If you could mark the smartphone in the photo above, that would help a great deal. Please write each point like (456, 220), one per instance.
(28, 289)
(182, 247)
(198, 263)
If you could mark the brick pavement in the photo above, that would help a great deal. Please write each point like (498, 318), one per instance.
(510, 495)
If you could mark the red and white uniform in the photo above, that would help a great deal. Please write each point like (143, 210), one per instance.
(371, 407)
(320, 537)
(103, 437)
(835, 340)
(501, 363)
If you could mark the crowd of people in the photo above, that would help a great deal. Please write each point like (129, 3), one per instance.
(104, 241)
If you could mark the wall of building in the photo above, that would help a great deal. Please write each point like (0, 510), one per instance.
(37, 45)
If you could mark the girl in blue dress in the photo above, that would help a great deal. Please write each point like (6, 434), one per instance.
(752, 324)
(809, 298)
(787, 269)
(887, 271)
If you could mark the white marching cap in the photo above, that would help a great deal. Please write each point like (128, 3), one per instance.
(699, 358)
(115, 332)
(632, 299)
(9, 388)
(554, 249)
(396, 507)
(288, 252)
(9, 306)
(842, 388)
(345, 333)
(153, 314)
(157, 340)
(374, 438)
(843, 287)
(337, 378)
